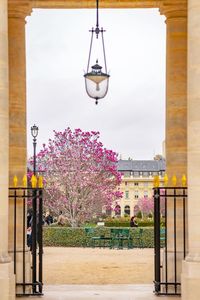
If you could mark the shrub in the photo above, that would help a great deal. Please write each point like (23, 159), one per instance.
(76, 237)
(139, 214)
(125, 222)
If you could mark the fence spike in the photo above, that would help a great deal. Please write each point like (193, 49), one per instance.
(166, 180)
(40, 182)
(184, 180)
(24, 180)
(34, 181)
(156, 181)
(15, 181)
(174, 180)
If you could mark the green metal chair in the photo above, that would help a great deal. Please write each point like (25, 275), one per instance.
(96, 241)
(90, 234)
(138, 236)
(126, 237)
(162, 236)
(119, 236)
(114, 232)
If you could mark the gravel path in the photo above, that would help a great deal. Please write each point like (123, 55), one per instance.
(97, 266)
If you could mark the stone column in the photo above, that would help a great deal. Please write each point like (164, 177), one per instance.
(17, 11)
(191, 266)
(176, 126)
(176, 91)
(17, 88)
(7, 279)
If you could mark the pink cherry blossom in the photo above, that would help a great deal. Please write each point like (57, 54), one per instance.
(81, 175)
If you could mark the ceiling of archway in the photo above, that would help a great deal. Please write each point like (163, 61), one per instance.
(102, 3)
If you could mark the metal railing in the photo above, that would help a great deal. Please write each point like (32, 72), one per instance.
(170, 244)
(27, 260)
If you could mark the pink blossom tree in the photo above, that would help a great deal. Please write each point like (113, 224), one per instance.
(81, 175)
(146, 205)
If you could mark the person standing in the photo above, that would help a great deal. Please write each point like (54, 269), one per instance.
(61, 219)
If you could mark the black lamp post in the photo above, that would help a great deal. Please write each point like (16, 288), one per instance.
(96, 81)
(34, 133)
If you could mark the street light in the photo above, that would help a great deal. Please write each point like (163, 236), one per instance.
(34, 133)
(96, 81)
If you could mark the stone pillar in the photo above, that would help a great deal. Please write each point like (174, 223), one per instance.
(17, 11)
(17, 89)
(176, 91)
(191, 266)
(7, 279)
(176, 126)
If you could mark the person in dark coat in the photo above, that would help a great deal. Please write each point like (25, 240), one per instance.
(133, 222)
(48, 219)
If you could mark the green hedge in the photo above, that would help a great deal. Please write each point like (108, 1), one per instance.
(125, 222)
(116, 223)
(76, 237)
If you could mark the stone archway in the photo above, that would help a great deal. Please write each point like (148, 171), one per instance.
(176, 75)
(176, 120)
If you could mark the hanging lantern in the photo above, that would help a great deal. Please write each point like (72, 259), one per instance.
(96, 81)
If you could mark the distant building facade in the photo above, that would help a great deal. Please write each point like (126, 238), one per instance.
(137, 182)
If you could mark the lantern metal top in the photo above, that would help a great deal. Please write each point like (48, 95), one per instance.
(34, 131)
(96, 75)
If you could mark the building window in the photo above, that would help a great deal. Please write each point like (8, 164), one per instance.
(127, 174)
(136, 183)
(136, 174)
(136, 194)
(108, 211)
(136, 209)
(127, 210)
(117, 210)
(126, 183)
(127, 194)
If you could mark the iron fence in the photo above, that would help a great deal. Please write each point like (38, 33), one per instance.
(169, 240)
(27, 258)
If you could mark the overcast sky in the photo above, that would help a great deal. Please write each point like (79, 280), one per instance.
(131, 119)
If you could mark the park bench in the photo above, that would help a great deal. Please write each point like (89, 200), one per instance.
(97, 240)
(121, 237)
(138, 236)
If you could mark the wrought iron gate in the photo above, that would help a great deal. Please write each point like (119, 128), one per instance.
(27, 260)
(169, 238)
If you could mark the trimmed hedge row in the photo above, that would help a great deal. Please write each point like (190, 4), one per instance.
(119, 223)
(76, 237)
(125, 222)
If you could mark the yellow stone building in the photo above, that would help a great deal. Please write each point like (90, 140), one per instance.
(182, 119)
(137, 182)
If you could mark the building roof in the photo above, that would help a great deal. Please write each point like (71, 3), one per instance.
(141, 165)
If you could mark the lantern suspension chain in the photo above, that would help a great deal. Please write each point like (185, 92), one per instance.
(90, 49)
(104, 53)
(97, 24)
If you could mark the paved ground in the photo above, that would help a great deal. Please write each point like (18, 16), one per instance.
(97, 266)
(98, 274)
(100, 292)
